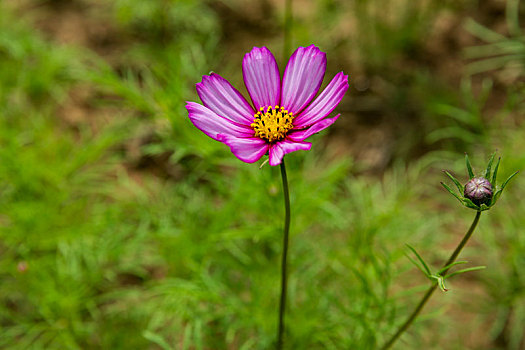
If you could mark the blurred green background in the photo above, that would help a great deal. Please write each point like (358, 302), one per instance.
(124, 227)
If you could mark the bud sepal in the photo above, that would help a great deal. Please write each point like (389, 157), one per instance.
(479, 193)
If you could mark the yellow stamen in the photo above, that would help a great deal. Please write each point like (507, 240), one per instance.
(273, 123)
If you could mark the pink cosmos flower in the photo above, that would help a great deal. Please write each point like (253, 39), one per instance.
(283, 116)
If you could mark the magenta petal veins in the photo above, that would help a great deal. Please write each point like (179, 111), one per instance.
(261, 77)
(217, 94)
(301, 135)
(325, 103)
(284, 114)
(279, 149)
(302, 78)
(248, 150)
(211, 124)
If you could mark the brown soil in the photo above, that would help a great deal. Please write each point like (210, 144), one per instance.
(368, 130)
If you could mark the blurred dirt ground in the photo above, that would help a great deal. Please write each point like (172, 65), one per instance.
(370, 129)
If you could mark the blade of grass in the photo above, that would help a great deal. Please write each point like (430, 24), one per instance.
(489, 166)
(452, 192)
(495, 174)
(465, 270)
(469, 167)
(456, 182)
(427, 270)
(450, 265)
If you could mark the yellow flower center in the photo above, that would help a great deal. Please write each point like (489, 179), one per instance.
(272, 123)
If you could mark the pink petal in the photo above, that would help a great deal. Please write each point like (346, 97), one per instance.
(279, 149)
(261, 77)
(211, 124)
(301, 135)
(248, 150)
(302, 78)
(325, 103)
(221, 97)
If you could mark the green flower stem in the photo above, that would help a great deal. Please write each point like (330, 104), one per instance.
(282, 304)
(434, 286)
(287, 44)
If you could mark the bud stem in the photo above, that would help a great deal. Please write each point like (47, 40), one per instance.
(431, 290)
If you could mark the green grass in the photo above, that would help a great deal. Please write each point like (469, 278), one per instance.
(99, 249)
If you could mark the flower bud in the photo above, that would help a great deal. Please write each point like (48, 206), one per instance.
(479, 191)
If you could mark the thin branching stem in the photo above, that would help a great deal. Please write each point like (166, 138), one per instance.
(287, 42)
(282, 304)
(434, 286)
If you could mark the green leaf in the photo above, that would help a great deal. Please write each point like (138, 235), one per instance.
(186, 340)
(507, 181)
(198, 334)
(493, 182)
(469, 204)
(249, 344)
(482, 32)
(450, 265)
(441, 283)
(496, 197)
(452, 192)
(415, 263)
(489, 166)
(466, 270)
(498, 192)
(157, 339)
(469, 167)
(427, 270)
(456, 182)
(484, 207)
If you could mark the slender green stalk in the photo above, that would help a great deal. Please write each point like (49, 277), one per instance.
(287, 29)
(287, 42)
(431, 290)
(282, 304)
